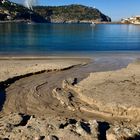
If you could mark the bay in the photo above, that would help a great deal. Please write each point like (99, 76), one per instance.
(51, 39)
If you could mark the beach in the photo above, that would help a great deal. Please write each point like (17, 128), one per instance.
(17, 66)
(69, 70)
(80, 98)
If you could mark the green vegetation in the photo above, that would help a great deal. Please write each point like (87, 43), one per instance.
(12, 11)
(62, 14)
(12, 7)
(71, 13)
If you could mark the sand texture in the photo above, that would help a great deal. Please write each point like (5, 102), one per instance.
(61, 100)
(115, 92)
(12, 67)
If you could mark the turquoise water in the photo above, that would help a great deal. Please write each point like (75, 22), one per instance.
(50, 39)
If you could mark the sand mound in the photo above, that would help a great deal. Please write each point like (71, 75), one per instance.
(116, 92)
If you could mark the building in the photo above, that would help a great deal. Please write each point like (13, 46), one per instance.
(131, 20)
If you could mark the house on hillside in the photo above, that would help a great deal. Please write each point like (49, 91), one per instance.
(2, 1)
(131, 20)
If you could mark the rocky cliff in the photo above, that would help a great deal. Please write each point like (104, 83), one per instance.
(10, 11)
(71, 13)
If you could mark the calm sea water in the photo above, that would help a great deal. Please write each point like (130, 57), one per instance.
(50, 39)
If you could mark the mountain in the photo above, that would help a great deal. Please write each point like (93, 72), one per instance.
(10, 11)
(13, 12)
(71, 13)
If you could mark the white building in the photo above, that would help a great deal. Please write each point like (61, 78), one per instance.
(131, 20)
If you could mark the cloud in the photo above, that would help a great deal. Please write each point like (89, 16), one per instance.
(29, 3)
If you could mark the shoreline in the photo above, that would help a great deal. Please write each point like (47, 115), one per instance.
(36, 63)
(16, 66)
(88, 22)
(82, 54)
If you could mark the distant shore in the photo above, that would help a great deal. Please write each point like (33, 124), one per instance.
(14, 21)
(67, 22)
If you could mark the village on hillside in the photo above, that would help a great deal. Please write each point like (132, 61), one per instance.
(131, 20)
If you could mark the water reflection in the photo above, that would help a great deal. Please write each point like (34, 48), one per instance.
(52, 38)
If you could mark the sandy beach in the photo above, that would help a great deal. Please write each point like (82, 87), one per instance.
(69, 98)
(16, 66)
(69, 70)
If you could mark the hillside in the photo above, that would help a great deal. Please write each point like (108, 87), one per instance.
(71, 13)
(10, 11)
(131, 20)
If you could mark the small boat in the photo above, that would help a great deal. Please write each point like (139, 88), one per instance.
(29, 22)
(92, 24)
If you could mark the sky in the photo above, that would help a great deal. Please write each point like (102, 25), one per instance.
(116, 9)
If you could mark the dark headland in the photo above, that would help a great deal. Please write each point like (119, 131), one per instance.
(11, 12)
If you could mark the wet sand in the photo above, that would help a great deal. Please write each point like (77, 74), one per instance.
(77, 89)
(16, 66)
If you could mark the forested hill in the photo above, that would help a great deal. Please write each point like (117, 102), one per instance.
(71, 13)
(10, 11)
